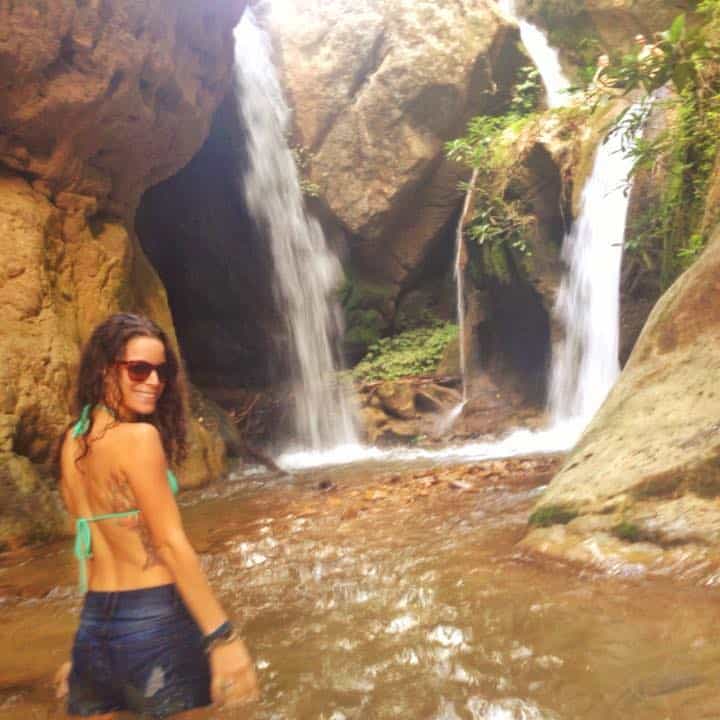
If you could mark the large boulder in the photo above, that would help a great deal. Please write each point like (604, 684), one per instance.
(104, 98)
(647, 468)
(98, 100)
(377, 88)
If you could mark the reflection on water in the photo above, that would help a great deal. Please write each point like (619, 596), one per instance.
(419, 610)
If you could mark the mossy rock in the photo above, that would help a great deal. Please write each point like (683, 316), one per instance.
(627, 531)
(548, 515)
(368, 309)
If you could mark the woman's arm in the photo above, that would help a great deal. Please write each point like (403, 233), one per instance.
(145, 469)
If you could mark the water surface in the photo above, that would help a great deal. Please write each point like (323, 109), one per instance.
(400, 594)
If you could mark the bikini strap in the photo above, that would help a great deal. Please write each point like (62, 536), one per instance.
(83, 424)
(83, 542)
(173, 482)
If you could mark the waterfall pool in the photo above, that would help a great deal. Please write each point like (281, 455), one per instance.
(396, 590)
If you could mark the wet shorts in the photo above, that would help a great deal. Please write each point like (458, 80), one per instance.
(137, 650)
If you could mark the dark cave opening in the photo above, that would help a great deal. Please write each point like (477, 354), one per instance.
(197, 233)
(515, 340)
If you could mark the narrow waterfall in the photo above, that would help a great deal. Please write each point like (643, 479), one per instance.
(307, 273)
(460, 264)
(585, 364)
(545, 58)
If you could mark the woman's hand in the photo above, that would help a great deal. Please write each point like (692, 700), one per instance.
(60, 681)
(233, 675)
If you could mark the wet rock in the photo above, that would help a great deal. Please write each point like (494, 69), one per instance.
(99, 101)
(397, 399)
(377, 88)
(435, 398)
(654, 442)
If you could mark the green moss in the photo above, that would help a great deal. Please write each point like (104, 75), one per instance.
(358, 294)
(548, 515)
(363, 327)
(366, 307)
(627, 531)
(498, 225)
(413, 352)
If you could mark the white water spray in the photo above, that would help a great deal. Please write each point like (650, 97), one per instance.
(545, 57)
(585, 364)
(307, 273)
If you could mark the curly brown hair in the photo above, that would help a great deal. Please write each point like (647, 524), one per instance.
(106, 347)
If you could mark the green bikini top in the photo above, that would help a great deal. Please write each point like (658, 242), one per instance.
(83, 535)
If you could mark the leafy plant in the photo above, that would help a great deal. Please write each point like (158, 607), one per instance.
(498, 227)
(413, 352)
(688, 59)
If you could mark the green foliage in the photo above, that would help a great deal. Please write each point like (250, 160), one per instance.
(413, 352)
(548, 515)
(363, 305)
(364, 327)
(627, 531)
(688, 59)
(527, 91)
(497, 226)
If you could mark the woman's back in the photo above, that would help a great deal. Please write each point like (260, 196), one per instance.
(94, 484)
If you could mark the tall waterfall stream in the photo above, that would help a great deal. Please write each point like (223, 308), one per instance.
(307, 273)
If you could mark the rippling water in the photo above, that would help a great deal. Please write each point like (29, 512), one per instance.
(367, 604)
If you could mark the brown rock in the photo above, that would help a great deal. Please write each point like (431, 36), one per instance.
(436, 398)
(104, 99)
(397, 399)
(655, 440)
(99, 101)
(615, 22)
(377, 88)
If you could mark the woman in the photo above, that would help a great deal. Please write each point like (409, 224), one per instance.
(152, 638)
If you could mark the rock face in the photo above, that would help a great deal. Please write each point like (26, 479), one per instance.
(98, 100)
(105, 99)
(649, 462)
(614, 23)
(377, 88)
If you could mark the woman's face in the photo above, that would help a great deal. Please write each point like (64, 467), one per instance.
(139, 396)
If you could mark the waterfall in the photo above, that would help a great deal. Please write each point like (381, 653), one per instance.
(545, 58)
(585, 364)
(460, 263)
(307, 273)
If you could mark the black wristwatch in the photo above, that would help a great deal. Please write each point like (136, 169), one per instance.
(222, 634)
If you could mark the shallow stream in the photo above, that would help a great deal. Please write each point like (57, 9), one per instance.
(398, 593)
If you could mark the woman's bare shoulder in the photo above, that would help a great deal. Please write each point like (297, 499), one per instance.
(143, 433)
(138, 444)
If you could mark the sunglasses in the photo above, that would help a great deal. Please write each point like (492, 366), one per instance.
(139, 370)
